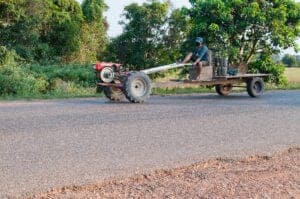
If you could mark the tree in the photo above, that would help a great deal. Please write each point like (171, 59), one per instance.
(93, 39)
(14, 31)
(93, 10)
(141, 43)
(179, 27)
(10, 11)
(298, 60)
(243, 28)
(289, 60)
(41, 31)
(65, 23)
(153, 35)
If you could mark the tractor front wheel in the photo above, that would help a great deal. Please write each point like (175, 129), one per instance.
(137, 87)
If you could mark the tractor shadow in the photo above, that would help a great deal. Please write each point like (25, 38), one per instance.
(211, 96)
(238, 98)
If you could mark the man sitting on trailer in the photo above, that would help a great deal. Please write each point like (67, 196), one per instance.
(199, 56)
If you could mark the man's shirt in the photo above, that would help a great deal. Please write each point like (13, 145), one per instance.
(201, 53)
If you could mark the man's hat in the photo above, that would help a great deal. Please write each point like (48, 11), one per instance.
(199, 40)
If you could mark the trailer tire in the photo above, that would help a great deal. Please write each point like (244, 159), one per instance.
(113, 93)
(224, 89)
(137, 87)
(255, 87)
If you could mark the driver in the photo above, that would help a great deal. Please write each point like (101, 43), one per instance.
(199, 56)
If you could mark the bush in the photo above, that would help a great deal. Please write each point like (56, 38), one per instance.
(17, 80)
(266, 65)
(25, 80)
(68, 89)
(82, 75)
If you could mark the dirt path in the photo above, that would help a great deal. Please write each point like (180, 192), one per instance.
(252, 177)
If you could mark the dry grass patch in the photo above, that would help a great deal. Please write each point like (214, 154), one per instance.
(293, 75)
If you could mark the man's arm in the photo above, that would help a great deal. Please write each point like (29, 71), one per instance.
(187, 58)
(197, 61)
(202, 52)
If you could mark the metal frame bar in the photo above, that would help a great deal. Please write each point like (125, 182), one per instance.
(118, 85)
(164, 68)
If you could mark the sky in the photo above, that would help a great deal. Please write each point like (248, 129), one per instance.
(116, 8)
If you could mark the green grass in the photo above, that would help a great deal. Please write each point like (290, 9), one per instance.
(289, 86)
(193, 90)
(71, 90)
(90, 92)
(293, 75)
(56, 94)
(186, 90)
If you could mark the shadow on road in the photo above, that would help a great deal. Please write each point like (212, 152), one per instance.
(279, 98)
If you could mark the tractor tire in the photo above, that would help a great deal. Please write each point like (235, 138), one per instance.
(224, 89)
(113, 93)
(255, 87)
(137, 87)
(99, 89)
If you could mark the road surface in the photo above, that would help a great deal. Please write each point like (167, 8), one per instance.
(52, 143)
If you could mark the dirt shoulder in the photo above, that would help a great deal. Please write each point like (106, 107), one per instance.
(253, 177)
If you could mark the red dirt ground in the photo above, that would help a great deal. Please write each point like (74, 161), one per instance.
(252, 177)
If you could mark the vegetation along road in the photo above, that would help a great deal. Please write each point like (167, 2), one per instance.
(54, 143)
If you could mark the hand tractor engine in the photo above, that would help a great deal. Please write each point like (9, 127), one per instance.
(118, 83)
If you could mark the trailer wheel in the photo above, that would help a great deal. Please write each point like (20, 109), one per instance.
(113, 93)
(137, 87)
(224, 89)
(255, 87)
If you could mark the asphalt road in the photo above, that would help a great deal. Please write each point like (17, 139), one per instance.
(53, 143)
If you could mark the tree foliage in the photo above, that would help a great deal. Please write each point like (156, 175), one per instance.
(141, 42)
(243, 28)
(93, 39)
(290, 60)
(93, 10)
(15, 79)
(62, 31)
(51, 30)
(265, 64)
(152, 35)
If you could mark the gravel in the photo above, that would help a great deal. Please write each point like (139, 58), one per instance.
(56, 143)
(253, 177)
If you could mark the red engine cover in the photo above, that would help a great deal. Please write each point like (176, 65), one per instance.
(100, 65)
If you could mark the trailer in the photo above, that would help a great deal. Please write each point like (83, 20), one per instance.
(119, 83)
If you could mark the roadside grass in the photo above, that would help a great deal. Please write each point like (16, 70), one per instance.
(76, 91)
(292, 74)
(198, 89)
(91, 92)
(289, 86)
(56, 94)
(185, 90)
